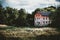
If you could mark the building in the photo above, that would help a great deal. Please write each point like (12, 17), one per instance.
(41, 18)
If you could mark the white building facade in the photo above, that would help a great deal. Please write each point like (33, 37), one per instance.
(41, 19)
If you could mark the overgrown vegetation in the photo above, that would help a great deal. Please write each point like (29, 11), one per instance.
(17, 33)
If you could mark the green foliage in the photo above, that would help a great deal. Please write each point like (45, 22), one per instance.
(29, 19)
(33, 13)
(55, 16)
(51, 8)
(1, 14)
(12, 16)
(21, 20)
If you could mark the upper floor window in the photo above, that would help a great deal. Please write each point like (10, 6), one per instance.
(46, 18)
(43, 18)
(38, 18)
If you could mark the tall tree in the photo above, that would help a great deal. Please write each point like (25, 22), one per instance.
(55, 18)
(1, 14)
(10, 15)
(21, 18)
(29, 20)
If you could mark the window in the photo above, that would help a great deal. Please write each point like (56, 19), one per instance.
(38, 23)
(43, 18)
(38, 18)
(44, 22)
(46, 18)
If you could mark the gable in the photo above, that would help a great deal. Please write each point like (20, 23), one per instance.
(37, 15)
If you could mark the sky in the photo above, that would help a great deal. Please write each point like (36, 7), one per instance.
(29, 5)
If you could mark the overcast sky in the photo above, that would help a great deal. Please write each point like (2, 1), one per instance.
(29, 5)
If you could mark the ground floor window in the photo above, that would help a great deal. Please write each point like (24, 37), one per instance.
(38, 23)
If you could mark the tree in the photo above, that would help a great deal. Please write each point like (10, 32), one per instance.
(1, 14)
(8, 16)
(29, 20)
(33, 13)
(0, 4)
(50, 8)
(55, 18)
(21, 20)
(14, 16)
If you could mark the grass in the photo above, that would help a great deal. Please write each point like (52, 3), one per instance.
(18, 33)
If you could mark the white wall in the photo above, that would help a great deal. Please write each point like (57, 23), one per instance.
(41, 20)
